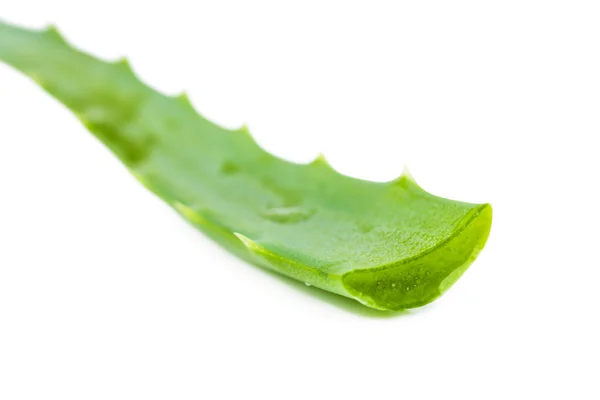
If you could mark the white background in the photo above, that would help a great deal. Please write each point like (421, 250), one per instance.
(105, 293)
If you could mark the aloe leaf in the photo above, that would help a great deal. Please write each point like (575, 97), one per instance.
(391, 246)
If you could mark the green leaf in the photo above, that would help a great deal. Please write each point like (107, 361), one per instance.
(388, 245)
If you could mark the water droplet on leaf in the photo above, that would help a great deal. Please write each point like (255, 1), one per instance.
(286, 215)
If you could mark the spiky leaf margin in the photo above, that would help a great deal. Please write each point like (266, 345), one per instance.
(389, 245)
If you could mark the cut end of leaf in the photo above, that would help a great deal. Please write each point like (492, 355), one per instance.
(416, 282)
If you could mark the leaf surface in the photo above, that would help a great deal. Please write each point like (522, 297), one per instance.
(390, 245)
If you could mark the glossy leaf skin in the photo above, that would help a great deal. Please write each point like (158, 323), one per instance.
(389, 245)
